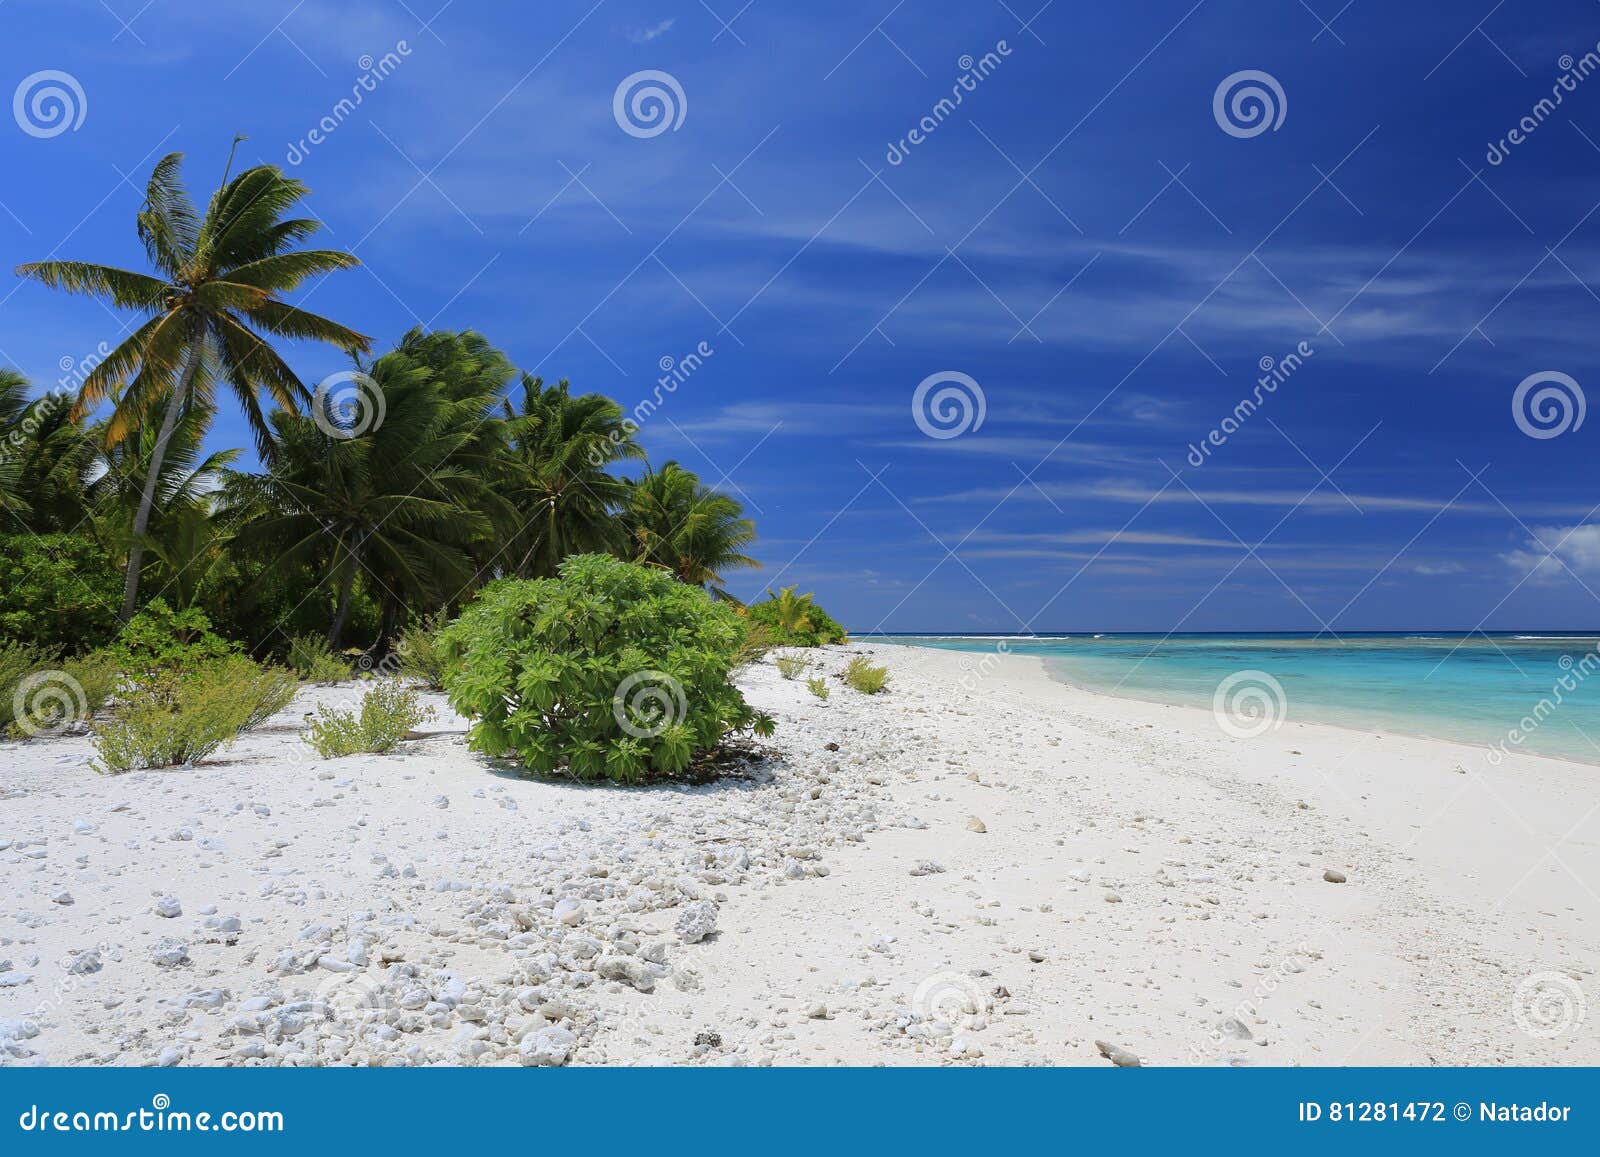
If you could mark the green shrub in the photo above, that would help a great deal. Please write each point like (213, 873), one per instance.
(40, 693)
(790, 666)
(159, 638)
(59, 592)
(97, 675)
(756, 643)
(864, 677)
(818, 686)
(793, 620)
(388, 711)
(17, 662)
(314, 661)
(420, 656)
(614, 670)
(176, 717)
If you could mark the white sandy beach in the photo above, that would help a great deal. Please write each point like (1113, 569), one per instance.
(1142, 880)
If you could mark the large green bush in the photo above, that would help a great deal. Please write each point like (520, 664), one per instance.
(786, 619)
(60, 591)
(616, 671)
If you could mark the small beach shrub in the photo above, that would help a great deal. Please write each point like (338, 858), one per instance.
(795, 620)
(176, 717)
(790, 666)
(388, 711)
(818, 686)
(420, 656)
(611, 670)
(97, 675)
(866, 678)
(17, 662)
(756, 643)
(314, 661)
(40, 692)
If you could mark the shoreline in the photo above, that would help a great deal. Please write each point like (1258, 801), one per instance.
(1479, 749)
(1059, 677)
(1140, 879)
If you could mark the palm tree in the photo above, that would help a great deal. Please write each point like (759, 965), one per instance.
(180, 532)
(564, 501)
(216, 285)
(388, 504)
(676, 523)
(46, 456)
(471, 377)
(792, 611)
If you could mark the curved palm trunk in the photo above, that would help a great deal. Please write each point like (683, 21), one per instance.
(347, 584)
(152, 478)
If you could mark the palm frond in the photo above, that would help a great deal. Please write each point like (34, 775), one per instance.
(168, 223)
(287, 321)
(126, 289)
(283, 271)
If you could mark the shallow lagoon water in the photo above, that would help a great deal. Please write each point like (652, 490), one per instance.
(1478, 688)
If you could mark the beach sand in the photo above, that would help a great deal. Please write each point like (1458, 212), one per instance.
(1140, 879)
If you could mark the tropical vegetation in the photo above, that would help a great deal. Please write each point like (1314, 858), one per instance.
(865, 676)
(792, 620)
(388, 711)
(356, 524)
(612, 670)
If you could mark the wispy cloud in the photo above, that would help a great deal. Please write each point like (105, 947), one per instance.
(1094, 537)
(646, 35)
(1321, 501)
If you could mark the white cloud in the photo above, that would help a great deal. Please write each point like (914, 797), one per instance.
(1321, 501)
(1094, 537)
(646, 35)
(1559, 552)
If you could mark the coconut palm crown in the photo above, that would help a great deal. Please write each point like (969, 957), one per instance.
(212, 299)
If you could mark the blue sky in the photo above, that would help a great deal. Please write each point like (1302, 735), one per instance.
(1080, 237)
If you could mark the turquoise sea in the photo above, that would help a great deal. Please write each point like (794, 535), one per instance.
(1478, 688)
